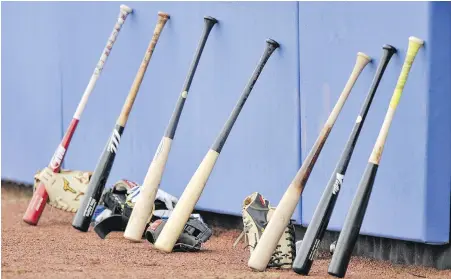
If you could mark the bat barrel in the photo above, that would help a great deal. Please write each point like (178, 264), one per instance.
(317, 227)
(353, 222)
(93, 193)
(271, 46)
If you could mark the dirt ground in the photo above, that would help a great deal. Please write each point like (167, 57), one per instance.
(53, 249)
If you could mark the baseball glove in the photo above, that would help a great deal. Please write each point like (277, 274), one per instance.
(119, 202)
(65, 189)
(194, 234)
(256, 214)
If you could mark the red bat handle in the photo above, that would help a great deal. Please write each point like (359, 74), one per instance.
(40, 196)
(36, 206)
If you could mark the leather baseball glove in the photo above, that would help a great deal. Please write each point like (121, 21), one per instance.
(256, 214)
(65, 189)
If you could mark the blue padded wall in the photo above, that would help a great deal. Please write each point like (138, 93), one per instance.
(49, 53)
(438, 156)
(399, 202)
(31, 89)
(262, 152)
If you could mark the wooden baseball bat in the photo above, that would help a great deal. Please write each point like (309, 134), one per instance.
(185, 206)
(143, 206)
(82, 218)
(354, 219)
(267, 244)
(306, 253)
(40, 196)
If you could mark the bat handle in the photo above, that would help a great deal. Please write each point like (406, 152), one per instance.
(209, 23)
(414, 46)
(126, 109)
(124, 12)
(271, 46)
(173, 122)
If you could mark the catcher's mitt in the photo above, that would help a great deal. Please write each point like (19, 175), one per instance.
(256, 214)
(65, 189)
(194, 234)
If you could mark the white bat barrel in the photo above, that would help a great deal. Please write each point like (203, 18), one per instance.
(175, 224)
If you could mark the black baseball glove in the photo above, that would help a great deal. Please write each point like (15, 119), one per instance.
(194, 234)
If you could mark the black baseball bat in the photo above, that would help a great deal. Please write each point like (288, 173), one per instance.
(82, 218)
(306, 253)
(354, 219)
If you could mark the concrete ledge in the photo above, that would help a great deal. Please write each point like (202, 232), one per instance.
(395, 251)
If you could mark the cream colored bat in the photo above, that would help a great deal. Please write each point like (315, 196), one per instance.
(144, 203)
(267, 244)
(185, 206)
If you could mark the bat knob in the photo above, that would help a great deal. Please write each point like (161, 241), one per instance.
(164, 15)
(416, 40)
(390, 48)
(211, 19)
(273, 43)
(364, 56)
(126, 8)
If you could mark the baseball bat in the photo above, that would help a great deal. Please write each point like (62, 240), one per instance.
(354, 219)
(143, 206)
(273, 232)
(317, 227)
(40, 196)
(176, 222)
(82, 218)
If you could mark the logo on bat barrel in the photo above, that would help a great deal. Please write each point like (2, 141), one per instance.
(338, 182)
(90, 208)
(159, 148)
(114, 141)
(55, 163)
